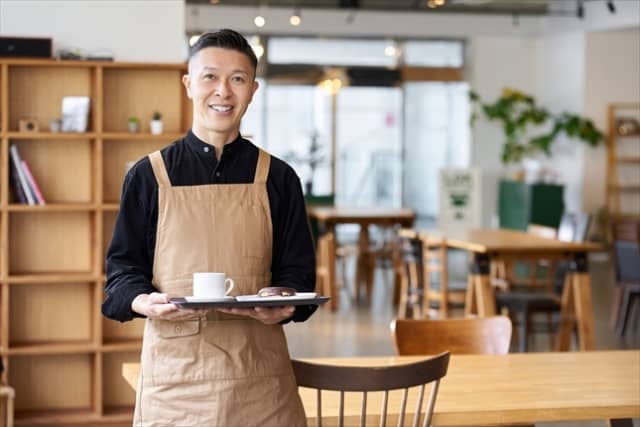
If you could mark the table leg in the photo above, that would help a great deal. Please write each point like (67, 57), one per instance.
(362, 264)
(577, 299)
(484, 294)
(567, 315)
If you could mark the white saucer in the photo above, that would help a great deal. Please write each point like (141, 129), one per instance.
(297, 296)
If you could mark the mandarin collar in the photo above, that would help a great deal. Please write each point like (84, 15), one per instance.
(198, 145)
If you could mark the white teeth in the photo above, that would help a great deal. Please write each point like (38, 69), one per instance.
(221, 108)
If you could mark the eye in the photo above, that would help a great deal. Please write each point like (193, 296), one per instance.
(208, 77)
(237, 79)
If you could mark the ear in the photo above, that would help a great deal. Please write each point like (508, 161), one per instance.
(255, 88)
(186, 81)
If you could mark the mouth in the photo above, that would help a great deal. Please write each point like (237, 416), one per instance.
(221, 108)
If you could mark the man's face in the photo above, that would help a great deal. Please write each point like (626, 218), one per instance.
(221, 85)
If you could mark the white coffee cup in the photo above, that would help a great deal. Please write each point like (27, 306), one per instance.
(211, 285)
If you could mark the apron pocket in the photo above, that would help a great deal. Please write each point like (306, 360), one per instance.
(255, 233)
(173, 355)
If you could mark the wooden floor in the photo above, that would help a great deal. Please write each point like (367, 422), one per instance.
(360, 329)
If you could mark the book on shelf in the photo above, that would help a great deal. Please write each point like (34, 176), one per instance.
(25, 186)
(14, 181)
(33, 184)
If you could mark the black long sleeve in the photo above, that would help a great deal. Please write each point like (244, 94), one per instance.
(190, 161)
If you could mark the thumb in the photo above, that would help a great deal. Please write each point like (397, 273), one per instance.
(158, 298)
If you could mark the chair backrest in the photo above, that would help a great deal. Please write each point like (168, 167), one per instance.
(375, 379)
(473, 335)
(626, 247)
(574, 226)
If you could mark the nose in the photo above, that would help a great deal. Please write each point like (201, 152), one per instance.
(222, 88)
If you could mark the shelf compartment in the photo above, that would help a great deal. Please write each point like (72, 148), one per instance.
(37, 92)
(57, 418)
(127, 333)
(117, 394)
(47, 322)
(118, 156)
(67, 386)
(62, 168)
(142, 91)
(50, 243)
(108, 223)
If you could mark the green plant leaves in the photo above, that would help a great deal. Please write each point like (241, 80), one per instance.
(517, 112)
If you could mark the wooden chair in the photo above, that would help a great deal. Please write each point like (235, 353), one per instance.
(326, 269)
(375, 379)
(439, 291)
(471, 335)
(411, 277)
(626, 256)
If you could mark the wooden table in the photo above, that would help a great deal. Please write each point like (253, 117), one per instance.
(508, 245)
(503, 390)
(329, 217)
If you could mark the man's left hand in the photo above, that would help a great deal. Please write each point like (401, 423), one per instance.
(267, 315)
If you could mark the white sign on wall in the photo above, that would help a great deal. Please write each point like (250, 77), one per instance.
(460, 198)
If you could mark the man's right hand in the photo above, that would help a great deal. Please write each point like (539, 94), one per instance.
(157, 306)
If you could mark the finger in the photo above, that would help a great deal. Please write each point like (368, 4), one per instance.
(162, 309)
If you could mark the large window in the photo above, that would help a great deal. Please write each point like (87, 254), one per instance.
(390, 142)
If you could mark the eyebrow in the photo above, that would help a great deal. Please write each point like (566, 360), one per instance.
(207, 68)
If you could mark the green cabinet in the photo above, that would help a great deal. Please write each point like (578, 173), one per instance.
(521, 204)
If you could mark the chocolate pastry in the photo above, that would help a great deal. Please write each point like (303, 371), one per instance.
(273, 291)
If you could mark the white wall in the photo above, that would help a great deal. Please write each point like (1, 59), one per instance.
(559, 88)
(495, 63)
(612, 75)
(132, 30)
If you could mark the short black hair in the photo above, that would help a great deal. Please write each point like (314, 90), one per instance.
(226, 39)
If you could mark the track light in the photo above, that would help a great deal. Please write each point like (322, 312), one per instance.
(611, 6)
(295, 19)
(259, 21)
(580, 11)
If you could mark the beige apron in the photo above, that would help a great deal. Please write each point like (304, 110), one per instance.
(220, 370)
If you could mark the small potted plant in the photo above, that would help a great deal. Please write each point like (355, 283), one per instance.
(133, 124)
(156, 123)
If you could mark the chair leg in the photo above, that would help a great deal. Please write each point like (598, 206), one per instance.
(523, 332)
(615, 306)
(623, 315)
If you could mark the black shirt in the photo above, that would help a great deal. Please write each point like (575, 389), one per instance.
(190, 161)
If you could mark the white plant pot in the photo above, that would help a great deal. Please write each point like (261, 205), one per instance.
(155, 126)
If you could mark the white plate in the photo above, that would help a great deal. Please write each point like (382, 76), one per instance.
(298, 295)
(207, 299)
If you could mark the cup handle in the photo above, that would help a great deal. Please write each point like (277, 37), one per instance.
(228, 280)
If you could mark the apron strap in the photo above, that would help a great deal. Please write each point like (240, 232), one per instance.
(159, 169)
(262, 168)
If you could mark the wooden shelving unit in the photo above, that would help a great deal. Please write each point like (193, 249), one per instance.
(61, 356)
(623, 160)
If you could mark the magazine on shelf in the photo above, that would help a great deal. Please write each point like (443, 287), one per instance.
(16, 161)
(14, 181)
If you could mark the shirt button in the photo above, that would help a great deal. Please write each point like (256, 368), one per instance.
(217, 173)
(206, 149)
(178, 329)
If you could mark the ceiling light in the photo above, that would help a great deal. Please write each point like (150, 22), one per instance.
(259, 21)
(214, 1)
(439, 2)
(295, 19)
(193, 39)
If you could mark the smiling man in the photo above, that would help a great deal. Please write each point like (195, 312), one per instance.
(212, 201)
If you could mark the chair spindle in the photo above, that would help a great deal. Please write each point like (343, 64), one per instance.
(403, 407)
(416, 418)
